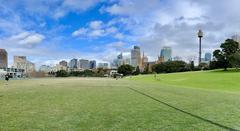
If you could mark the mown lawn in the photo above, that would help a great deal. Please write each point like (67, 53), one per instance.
(218, 79)
(108, 104)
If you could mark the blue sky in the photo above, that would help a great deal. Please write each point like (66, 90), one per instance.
(49, 31)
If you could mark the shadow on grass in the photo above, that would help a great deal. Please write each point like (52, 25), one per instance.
(185, 112)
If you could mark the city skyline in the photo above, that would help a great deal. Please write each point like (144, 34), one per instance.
(48, 32)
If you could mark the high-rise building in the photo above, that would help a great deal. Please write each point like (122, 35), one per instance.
(3, 58)
(21, 62)
(166, 54)
(73, 64)
(135, 56)
(208, 57)
(63, 63)
(92, 64)
(103, 65)
(84, 64)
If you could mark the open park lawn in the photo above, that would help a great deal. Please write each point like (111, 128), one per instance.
(179, 101)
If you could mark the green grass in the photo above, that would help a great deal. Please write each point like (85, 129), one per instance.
(107, 104)
(218, 79)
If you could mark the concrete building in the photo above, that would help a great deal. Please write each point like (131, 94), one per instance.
(13, 72)
(166, 54)
(63, 63)
(3, 58)
(135, 56)
(73, 64)
(208, 57)
(103, 65)
(45, 68)
(92, 64)
(84, 64)
(21, 62)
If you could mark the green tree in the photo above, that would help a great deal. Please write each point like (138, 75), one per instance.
(223, 56)
(61, 73)
(137, 71)
(125, 69)
(235, 60)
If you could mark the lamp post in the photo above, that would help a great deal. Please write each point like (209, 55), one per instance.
(200, 35)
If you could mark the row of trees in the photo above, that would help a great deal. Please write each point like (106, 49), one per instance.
(86, 73)
(165, 67)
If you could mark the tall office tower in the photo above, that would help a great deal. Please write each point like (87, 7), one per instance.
(21, 62)
(3, 58)
(208, 57)
(63, 63)
(92, 64)
(73, 64)
(120, 60)
(135, 56)
(84, 64)
(166, 54)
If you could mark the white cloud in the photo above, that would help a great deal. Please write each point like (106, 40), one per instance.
(96, 24)
(81, 31)
(95, 29)
(28, 38)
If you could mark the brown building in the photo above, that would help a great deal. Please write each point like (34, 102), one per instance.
(3, 58)
(63, 63)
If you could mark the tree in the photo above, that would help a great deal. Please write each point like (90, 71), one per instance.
(235, 60)
(125, 69)
(223, 56)
(61, 73)
(170, 66)
(137, 71)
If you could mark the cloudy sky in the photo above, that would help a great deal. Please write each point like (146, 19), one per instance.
(47, 31)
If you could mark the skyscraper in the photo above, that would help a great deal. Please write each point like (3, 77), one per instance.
(208, 57)
(73, 64)
(92, 64)
(3, 58)
(166, 54)
(135, 56)
(63, 63)
(84, 64)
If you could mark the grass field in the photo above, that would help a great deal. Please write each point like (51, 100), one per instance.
(181, 101)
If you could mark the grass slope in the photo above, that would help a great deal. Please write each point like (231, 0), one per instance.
(218, 79)
(105, 104)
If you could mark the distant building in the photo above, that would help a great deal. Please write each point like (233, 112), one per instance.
(208, 57)
(45, 68)
(103, 65)
(84, 64)
(135, 56)
(92, 64)
(13, 72)
(73, 64)
(63, 63)
(3, 58)
(21, 62)
(177, 58)
(236, 38)
(166, 54)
